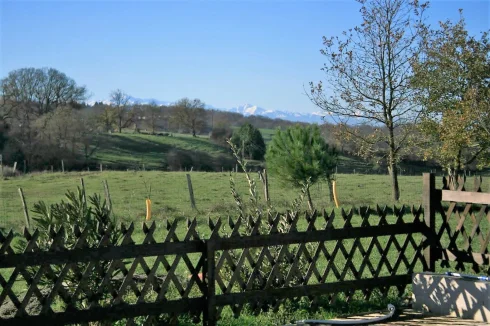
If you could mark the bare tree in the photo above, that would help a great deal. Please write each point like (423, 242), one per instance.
(106, 118)
(190, 114)
(86, 134)
(368, 74)
(124, 116)
(153, 114)
(45, 89)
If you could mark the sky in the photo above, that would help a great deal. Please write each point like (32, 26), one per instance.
(226, 53)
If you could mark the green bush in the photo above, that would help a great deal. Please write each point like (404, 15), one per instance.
(73, 217)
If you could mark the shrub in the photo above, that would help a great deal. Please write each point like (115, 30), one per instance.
(179, 160)
(8, 171)
(73, 217)
(199, 161)
(219, 135)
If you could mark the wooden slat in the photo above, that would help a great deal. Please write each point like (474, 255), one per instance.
(310, 290)
(466, 197)
(104, 253)
(315, 236)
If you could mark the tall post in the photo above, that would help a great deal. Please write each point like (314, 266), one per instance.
(266, 187)
(429, 200)
(24, 206)
(191, 192)
(82, 186)
(62, 166)
(107, 196)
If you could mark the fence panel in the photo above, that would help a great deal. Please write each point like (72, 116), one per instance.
(274, 260)
(256, 261)
(82, 284)
(463, 230)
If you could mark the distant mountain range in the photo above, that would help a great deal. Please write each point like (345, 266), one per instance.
(246, 110)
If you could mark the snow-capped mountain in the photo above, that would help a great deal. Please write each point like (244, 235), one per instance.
(246, 110)
(249, 109)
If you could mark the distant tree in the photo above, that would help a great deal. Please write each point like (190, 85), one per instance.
(124, 116)
(43, 89)
(153, 114)
(86, 134)
(106, 117)
(3, 134)
(299, 154)
(137, 111)
(190, 114)
(454, 75)
(249, 141)
(368, 74)
(57, 128)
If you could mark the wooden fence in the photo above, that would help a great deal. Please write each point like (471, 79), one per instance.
(460, 224)
(259, 262)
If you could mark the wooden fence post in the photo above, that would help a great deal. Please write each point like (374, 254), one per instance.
(107, 196)
(100, 166)
(15, 167)
(62, 166)
(82, 185)
(430, 201)
(24, 206)
(210, 317)
(263, 177)
(191, 192)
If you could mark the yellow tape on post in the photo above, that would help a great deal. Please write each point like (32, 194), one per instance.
(335, 197)
(148, 209)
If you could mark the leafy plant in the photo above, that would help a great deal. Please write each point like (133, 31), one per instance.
(75, 217)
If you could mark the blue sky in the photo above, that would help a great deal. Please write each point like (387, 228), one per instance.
(227, 53)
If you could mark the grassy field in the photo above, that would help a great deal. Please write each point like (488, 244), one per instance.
(170, 195)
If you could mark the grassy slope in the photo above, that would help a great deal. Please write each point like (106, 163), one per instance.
(137, 149)
(130, 150)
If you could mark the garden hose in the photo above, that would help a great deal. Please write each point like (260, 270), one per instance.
(472, 277)
(391, 312)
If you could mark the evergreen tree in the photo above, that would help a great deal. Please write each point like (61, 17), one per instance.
(300, 156)
(250, 142)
